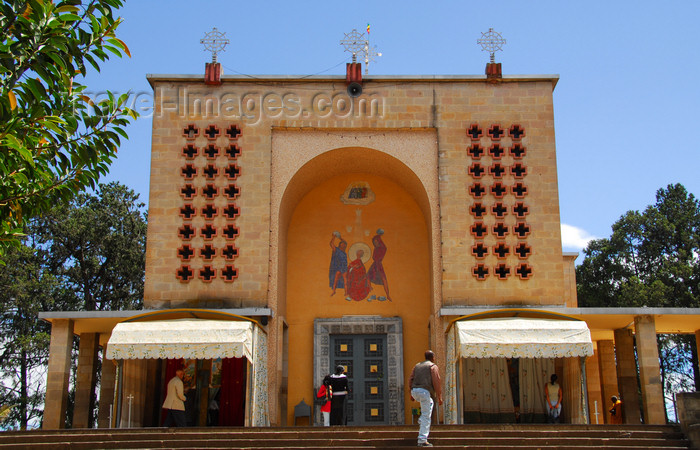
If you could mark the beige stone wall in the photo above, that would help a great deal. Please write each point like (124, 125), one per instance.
(570, 293)
(449, 107)
(530, 106)
(174, 103)
(314, 117)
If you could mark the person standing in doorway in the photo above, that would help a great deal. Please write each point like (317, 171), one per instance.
(325, 392)
(339, 386)
(616, 411)
(554, 396)
(175, 401)
(425, 385)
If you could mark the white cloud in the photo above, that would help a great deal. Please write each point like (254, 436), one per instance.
(574, 238)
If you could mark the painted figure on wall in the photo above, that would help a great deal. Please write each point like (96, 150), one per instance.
(376, 273)
(358, 285)
(339, 262)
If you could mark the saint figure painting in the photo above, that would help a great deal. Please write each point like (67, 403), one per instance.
(376, 273)
(339, 262)
(355, 280)
(358, 284)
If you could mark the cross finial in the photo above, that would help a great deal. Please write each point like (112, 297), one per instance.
(356, 42)
(370, 54)
(491, 41)
(215, 42)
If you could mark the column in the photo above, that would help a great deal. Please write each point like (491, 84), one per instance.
(594, 387)
(608, 376)
(627, 376)
(58, 374)
(107, 379)
(649, 373)
(85, 380)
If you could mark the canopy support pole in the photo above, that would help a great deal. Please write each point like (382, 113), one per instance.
(584, 390)
(120, 384)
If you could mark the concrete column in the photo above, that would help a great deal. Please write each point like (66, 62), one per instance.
(58, 374)
(627, 376)
(594, 388)
(649, 373)
(85, 380)
(107, 380)
(608, 376)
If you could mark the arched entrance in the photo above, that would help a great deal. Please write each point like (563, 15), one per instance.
(358, 271)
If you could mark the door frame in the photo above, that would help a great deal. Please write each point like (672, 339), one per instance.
(392, 327)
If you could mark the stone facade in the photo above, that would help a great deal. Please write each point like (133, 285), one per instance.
(251, 177)
(448, 106)
(476, 157)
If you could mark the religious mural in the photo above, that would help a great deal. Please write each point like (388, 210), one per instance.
(348, 267)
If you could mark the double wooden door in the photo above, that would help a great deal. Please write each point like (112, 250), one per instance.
(365, 360)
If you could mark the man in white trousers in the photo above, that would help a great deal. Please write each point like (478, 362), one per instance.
(425, 384)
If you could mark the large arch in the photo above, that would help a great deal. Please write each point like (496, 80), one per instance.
(403, 161)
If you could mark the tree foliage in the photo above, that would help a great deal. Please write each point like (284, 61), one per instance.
(55, 142)
(96, 245)
(651, 258)
(27, 289)
(87, 255)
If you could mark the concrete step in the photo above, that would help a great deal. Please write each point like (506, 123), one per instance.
(496, 436)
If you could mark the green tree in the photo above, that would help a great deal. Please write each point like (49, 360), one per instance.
(27, 289)
(652, 259)
(55, 142)
(96, 246)
(87, 255)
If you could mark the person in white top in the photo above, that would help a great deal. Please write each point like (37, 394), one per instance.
(175, 401)
(554, 396)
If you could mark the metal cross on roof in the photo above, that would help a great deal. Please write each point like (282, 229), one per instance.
(215, 42)
(354, 43)
(491, 41)
(370, 54)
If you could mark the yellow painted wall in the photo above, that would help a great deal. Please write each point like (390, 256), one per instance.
(407, 267)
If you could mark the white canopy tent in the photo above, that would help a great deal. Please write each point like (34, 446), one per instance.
(197, 339)
(181, 338)
(515, 337)
(478, 351)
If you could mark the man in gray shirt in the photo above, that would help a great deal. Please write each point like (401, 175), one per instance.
(425, 384)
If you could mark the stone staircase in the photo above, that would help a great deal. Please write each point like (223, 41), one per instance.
(493, 437)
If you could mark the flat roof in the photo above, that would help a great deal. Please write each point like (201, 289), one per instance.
(334, 78)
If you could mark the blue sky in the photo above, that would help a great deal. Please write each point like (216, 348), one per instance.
(626, 105)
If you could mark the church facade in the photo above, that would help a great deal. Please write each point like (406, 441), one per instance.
(300, 223)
